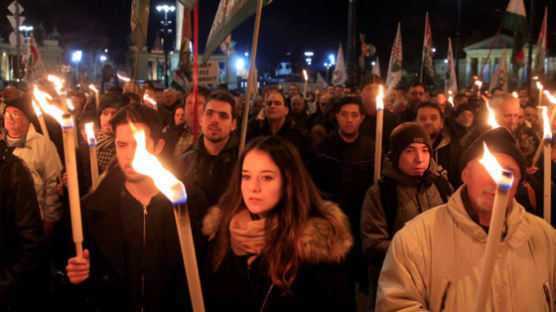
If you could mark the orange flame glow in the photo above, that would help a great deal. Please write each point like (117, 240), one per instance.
(515, 95)
(305, 75)
(37, 109)
(58, 83)
(70, 105)
(92, 87)
(150, 100)
(123, 78)
(44, 99)
(147, 164)
(550, 97)
(379, 97)
(547, 132)
(494, 169)
(89, 130)
(491, 116)
(539, 85)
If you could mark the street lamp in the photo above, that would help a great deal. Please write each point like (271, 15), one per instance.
(166, 31)
(76, 58)
(26, 29)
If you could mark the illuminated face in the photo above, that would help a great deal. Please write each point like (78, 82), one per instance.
(481, 187)
(414, 159)
(431, 120)
(530, 114)
(368, 97)
(179, 116)
(416, 95)
(190, 109)
(293, 90)
(125, 149)
(349, 118)
(275, 107)
(507, 114)
(261, 183)
(441, 100)
(298, 106)
(105, 117)
(217, 121)
(465, 119)
(170, 97)
(15, 122)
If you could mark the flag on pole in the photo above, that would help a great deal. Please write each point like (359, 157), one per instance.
(451, 79)
(394, 75)
(428, 53)
(540, 55)
(376, 68)
(227, 45)
(229, 15)
(139, 22)
(34, 66)
(339, 75)
(500, 77)
(183, 74)
(321, 83)
(515, 19)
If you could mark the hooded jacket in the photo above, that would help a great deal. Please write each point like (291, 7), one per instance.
(415, 195)
(42, 159)
(320, 284)
(434, 263)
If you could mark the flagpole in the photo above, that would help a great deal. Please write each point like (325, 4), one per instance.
(490, 50)
(423, 50)
(195, 69)
(250, 82)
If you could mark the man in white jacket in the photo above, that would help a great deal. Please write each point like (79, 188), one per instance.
(39, 155)
(434, 261)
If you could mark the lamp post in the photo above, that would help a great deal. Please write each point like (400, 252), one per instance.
(166, 31)
(76, 58)
(25, 29)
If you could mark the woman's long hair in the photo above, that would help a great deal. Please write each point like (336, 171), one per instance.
(300, 201)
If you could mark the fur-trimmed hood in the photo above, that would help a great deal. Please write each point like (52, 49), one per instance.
(318, 242)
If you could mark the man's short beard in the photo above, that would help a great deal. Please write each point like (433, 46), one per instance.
(217, 139)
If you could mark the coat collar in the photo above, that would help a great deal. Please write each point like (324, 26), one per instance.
(518, 230)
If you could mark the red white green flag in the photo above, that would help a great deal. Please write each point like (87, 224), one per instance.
(540, 55)
(394, 75)
(515, 19)
(428, 52)
(500, 76)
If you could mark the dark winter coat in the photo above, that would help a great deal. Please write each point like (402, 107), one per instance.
(368, 127)
(320, 284)
(210, 173)
(119, 262)
(23, 263)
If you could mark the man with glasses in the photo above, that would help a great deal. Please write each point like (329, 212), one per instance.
(40, 156)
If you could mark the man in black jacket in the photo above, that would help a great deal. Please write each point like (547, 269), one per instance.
(209, 163)
(23, 262)
(130, 232)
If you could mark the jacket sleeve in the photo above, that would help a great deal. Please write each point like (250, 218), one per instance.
(52, 206)
(24, 230)
(401, 286)
(374, 228)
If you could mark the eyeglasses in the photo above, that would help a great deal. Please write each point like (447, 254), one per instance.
(14, 114)
(276, 103)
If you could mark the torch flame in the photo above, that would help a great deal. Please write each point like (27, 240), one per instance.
(502, 177)
(58, 83)
(123, 78)
(379, 97)
(70, 105)
(37, 109)
(491, 116)
(515, 95)
(147, 164)
(546, 124)
(478, 83)
(305, 75)
(89, 129)
(92, 87)
(150, 100)
(539, 85)
(43, 98)
(550, 97)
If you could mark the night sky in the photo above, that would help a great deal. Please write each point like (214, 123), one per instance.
(287, 25)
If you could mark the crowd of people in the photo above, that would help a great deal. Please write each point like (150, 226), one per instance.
(293, 222)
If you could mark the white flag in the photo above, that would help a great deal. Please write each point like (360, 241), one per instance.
(339, 76)
(394, 75)
(376, 68)
(451, 79)
(500, 77)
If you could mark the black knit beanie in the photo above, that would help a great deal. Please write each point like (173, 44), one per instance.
(24, 105)
(111, 100)
(404, 135)
(498, 140)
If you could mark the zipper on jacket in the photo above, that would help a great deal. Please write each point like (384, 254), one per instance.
(143, 251)
(547, 295)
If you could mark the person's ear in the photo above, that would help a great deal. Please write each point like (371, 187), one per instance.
(234, 124)
(465, 174)
(159, 146)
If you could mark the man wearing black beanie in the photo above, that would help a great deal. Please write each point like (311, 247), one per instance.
(434, 262)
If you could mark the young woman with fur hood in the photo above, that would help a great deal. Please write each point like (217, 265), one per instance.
(275, 245)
